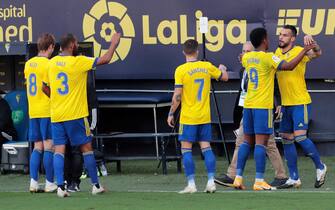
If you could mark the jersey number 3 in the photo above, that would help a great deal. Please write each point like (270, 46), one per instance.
(65, 87)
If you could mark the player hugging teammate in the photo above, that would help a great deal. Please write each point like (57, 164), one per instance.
(58, 108)
(289, 63)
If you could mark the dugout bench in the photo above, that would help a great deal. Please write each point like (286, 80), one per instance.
(134, 99)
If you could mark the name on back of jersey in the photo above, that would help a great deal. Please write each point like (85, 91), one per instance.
(33, 65)
(198, 70)
(60, 63)
(253, 60)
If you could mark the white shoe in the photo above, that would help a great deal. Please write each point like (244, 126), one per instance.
(62, 193)
(103, 170)
(50, 187)
(320, 176)
(210, 188)
(33, 188)
(96, 190)
(189, 189)
(291, 183)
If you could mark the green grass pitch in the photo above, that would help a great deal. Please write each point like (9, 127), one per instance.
(141, 186)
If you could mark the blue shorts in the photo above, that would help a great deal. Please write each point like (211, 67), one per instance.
(295, 118)
(195, 133)
(39, 129)
(76, 131)
(257, 121)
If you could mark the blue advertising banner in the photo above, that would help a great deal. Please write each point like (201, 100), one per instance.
(153, 31)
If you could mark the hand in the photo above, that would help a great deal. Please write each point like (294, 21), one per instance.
(116, 39)
(278, 112)
(170, 121)
(309, 47)
(222, 67)
(240, 57)
(94, 119)
(308, 40)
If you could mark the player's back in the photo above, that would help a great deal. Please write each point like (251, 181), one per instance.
(35, 70)
(260, 67)
(195, 79)
(68, 82)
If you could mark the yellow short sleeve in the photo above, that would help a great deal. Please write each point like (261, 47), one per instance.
(178, 77)
(214, 72)
(84, 63)
(274, 61)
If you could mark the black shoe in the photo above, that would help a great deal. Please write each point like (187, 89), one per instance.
(74, 187)
(224, 180)
(277, 182)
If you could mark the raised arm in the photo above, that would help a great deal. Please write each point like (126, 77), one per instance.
(293, 63)
(107, 57)
(176, 99)
(224, 75)
(316, 51)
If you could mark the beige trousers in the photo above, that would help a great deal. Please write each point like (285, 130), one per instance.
(271, 151)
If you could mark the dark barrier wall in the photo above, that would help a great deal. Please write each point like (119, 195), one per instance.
(153, 31)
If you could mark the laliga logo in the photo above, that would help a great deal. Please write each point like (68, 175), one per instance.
(99, 25)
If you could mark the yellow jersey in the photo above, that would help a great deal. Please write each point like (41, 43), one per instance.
(34, 71)
(261, 67)
(67, 78)
(195, 80)
(292, 84)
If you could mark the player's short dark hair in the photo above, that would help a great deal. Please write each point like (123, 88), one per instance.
(190, 47)
(292, 28)
(44, 41)
(257, 36)
(66, 40)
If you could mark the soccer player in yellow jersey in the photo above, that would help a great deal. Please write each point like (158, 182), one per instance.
(296, 105)
(192, 91)
(67, 79)
(39, 114)
(258, 105)
(271, 150)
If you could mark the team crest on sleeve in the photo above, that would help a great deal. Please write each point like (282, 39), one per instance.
(275, 59)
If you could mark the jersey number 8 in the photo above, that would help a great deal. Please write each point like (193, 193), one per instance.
(32, 85)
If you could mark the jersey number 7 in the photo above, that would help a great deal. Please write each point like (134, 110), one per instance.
(201, 87)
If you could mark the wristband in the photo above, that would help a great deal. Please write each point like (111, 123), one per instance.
(316, 49)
